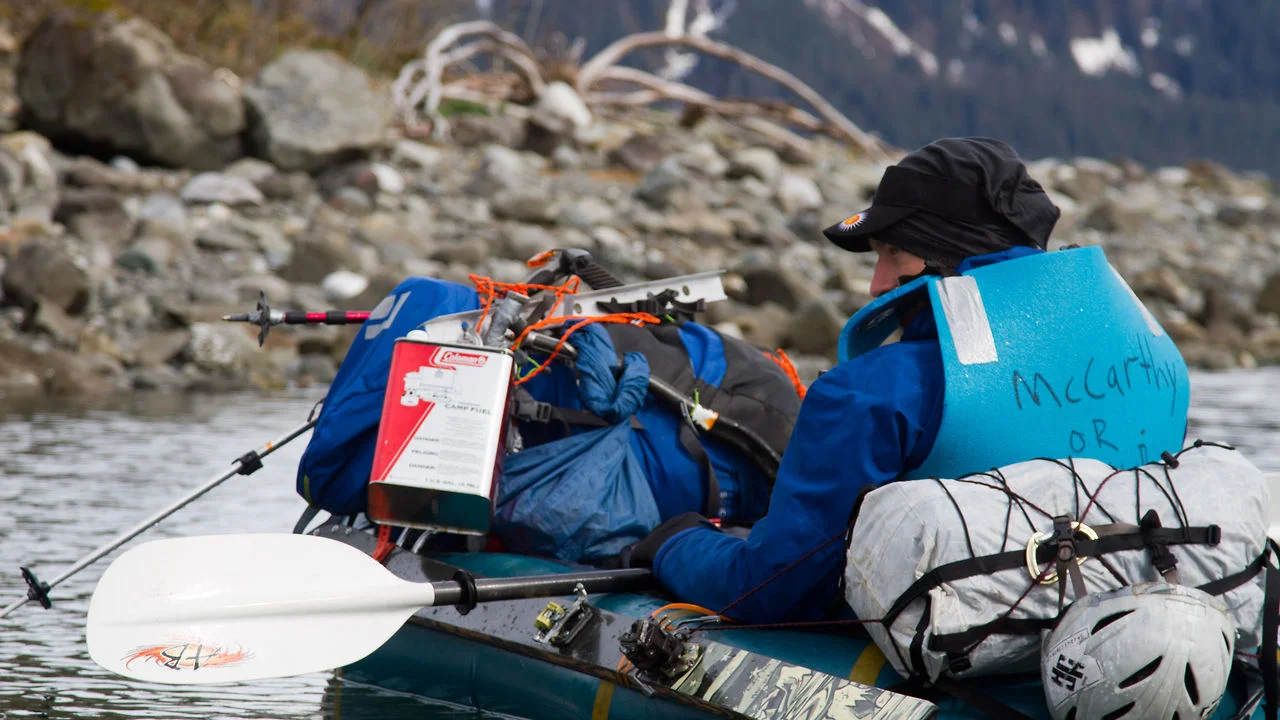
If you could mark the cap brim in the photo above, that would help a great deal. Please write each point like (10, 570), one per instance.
(854, 233)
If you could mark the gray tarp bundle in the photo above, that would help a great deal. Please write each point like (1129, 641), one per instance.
(905, 529)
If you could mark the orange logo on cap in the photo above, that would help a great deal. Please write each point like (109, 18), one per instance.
(853, 221)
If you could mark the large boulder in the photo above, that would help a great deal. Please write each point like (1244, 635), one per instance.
(309, 108)
(9, 102)
(121, 85)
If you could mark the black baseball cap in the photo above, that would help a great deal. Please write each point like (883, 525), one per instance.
(969, 183)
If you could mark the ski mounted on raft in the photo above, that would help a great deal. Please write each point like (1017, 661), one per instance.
(548, 268)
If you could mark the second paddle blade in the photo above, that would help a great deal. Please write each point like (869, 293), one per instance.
(230, 608)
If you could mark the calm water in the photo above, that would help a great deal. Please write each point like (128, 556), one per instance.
(71, 481)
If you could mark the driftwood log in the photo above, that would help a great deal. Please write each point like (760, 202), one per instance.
(423, 84)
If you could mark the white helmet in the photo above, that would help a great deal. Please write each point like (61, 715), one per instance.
(1154, 650)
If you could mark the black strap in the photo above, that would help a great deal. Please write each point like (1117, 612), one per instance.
(1235, 580)
(990, 564)
(528, 409)
(305, 519)
(917, 642)
(692, 445)
(1267, 652)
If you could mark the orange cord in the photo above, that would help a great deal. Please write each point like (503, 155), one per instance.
(784, 362)
(385, 546)
(637, 318)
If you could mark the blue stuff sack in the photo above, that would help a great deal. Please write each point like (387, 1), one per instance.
(581, 498)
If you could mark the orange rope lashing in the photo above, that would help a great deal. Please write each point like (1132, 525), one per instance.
(784, 362)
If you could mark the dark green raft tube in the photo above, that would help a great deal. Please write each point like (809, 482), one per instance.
(468, 670)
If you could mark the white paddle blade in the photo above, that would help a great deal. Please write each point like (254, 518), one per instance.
(230, 608)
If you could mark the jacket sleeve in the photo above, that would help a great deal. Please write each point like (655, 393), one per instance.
(865, 422)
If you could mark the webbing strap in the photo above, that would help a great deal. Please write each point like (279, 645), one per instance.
(692, 445)
(1267, 653)
(990, 564)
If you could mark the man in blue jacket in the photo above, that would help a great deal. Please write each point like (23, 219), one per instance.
(945, 210)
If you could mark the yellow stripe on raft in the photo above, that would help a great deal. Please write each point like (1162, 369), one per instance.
(604, 698)
(868, 666)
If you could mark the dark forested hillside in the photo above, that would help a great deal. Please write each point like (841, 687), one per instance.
(1161, 81)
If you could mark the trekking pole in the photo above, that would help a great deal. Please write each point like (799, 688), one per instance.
(547, 268)
(266, 318)
(246, 464)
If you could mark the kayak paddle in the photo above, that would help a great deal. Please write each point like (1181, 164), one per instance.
(231, 608)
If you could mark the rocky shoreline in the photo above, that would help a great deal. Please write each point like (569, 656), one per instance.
(115, 272)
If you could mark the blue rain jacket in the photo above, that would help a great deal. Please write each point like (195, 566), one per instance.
(867, 421)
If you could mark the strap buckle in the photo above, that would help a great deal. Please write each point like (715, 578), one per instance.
(1066, 545)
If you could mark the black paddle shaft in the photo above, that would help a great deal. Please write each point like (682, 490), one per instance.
(454, 592)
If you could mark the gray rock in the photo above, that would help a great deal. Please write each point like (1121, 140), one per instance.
(53, 321)
(211, 187)
(316, 254)
(758, 162)
(524, 205)
(560, 109)
(151, 255)
(161, 379)
(703, 158)
(797, 193)
(775, 284)
(156, 349)
(390, 181)
(470, 252)
(416, 155)
(659, 187)
(476, 130)
(640, 153)
(122, 84)
(251, 169)
(96, 215)
(586, 212)
(316, 368)
(222, 348)
(352, 200)
(521, 241)
(343, 285)
(566, 158)
(501, 168)
(164, 215)
(311, 107)
(40, 270)
(287, 186)
(815, 327)
(1269, 298)
(9, 102)
(223, 238)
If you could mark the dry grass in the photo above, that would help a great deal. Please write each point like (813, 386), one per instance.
(379, 35)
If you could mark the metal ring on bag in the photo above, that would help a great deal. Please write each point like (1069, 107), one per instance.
(1034, 544)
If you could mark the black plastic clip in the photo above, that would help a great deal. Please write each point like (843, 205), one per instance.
(250, 463)
(1169, 459)
(36, 590)
(470, 596)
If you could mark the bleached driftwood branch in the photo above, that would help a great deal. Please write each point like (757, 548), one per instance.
(592, 72)
(428, 88)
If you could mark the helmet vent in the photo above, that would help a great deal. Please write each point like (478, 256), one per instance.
(1118, 712)
(1142, 673)
(1108, 620)
(1071, 714)
(1226, 641)
(1193, 692)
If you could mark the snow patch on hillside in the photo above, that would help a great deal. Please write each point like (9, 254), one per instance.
(1098, 56)
(853, 15)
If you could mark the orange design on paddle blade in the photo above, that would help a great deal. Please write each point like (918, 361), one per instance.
(187, 655)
